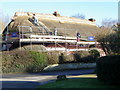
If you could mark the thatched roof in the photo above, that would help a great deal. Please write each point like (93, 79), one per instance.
(71, 28)
(67, 25)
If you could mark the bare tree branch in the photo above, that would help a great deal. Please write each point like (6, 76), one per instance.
(81, 16)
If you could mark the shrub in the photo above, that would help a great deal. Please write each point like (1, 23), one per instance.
(108, 69)
(88, 59)
(15, 61)
(77, 57)
(95, 53)
(55, 57)
(40, 61)
(23, 61)
(62, 58)
(52, 57)
(84, 57)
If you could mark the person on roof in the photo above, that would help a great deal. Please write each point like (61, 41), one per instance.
(55, 31)
(78, 36)
(35, 20)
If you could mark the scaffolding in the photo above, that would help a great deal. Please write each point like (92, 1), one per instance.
(31, 33)
(36, 34)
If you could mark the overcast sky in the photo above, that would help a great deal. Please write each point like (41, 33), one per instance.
(98, 10)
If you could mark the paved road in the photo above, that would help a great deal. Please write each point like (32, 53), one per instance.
(33, 80)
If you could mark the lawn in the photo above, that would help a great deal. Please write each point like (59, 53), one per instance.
(79, 82)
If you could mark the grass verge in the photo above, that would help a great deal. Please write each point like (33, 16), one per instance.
(81, 82)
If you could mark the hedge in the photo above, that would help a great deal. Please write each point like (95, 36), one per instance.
(23, 61)
(108, 69)
(17, 61)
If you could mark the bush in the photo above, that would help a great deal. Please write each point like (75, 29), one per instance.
(40, 61)
(95, 53)
(77, 57)
(108, 69)
(84, 57)
(23, 61)
(88, 59)
(62, 58)
(32, 61)
(55, 57)
(52, 57)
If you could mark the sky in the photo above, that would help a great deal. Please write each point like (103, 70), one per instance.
(98, 10)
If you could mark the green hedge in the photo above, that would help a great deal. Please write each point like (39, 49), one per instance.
(86, 57)
(95, 53)
(23, 61)
(32, 61)
(108, 69)
(40, 61)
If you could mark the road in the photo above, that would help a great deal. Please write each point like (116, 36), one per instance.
(33, 80)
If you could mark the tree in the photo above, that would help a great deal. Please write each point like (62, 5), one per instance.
(81, 16)
(109, 40)
(108, 22)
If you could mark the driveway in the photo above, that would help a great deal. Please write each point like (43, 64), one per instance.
(33, 80)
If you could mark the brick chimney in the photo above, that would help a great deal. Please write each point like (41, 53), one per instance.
(92, 20)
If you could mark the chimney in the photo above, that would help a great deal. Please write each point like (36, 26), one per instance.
(92, 20)
(56, 13)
